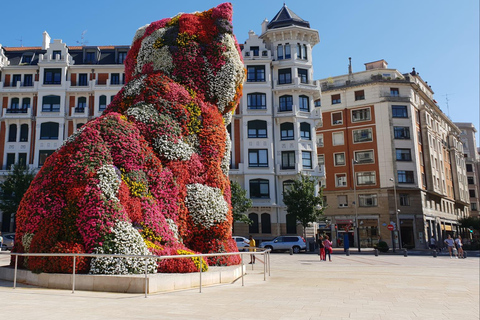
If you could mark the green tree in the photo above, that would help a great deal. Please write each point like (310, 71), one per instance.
(13, 188)
(470, 222)
(240, 203)
(302, 202)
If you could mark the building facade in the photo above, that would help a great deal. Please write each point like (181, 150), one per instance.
(392, 160)
(273, 130)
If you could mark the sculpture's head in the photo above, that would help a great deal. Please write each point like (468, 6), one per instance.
(197, 50)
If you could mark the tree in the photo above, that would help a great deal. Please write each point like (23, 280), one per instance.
(470, 222)
(13, 188)
(240, 203)
(302, 202)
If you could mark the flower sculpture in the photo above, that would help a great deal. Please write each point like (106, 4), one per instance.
(150, 176)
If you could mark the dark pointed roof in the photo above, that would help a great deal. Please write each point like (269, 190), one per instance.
(286, 17)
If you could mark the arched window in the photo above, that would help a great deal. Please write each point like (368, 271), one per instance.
(102, 102)
(24, 132)
(257, 129)
(304, 103)
(253, 228)
(286, 103)
(257, 100)
(79, 125)
(25, 103)
(12, 133)
(51, 104)
(305, 131)
(81, 105)
(288, 54)
(266, 224)
(259, 188)
(280, 52)
(291, 224)
(286, 131)
(14, 104)
(49, 131)
(287, 186)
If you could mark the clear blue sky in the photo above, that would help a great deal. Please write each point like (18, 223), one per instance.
(439, 38)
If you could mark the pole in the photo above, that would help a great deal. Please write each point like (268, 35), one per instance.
(355, 203)
(396, 214)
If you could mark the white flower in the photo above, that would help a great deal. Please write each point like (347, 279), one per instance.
(206, 205)
(134, 87)
(140, 32)
(72, 137)
(27, 241)
(225, 165)
(160, 57)
(125, 239)
(174, 228)
(173, 150)
(109, 182)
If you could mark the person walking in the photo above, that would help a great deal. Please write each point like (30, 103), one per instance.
(322, 248)
(251, 243)
(450, 245)
(328, 248)
(433, 243)
(459, 245)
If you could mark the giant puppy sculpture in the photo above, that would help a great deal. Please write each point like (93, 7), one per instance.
(151, 174)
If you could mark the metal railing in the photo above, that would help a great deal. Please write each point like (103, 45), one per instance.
(258, 251)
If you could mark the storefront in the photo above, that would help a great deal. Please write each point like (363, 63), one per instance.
(368, 229)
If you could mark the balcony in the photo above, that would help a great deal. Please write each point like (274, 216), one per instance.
(20, 86)
(17, 113)
(388, 96)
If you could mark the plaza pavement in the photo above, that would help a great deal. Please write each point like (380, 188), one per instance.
(359, 286)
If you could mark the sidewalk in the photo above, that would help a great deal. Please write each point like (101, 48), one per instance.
(300, 287)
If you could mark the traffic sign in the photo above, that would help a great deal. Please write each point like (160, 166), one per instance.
(390, 227)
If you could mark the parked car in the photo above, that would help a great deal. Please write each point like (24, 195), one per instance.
(8, 240)
(241, 242)
(296, 243)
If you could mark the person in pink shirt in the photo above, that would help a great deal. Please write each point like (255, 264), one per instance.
(328, 247)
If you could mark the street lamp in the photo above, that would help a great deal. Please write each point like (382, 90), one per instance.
(396, 214)
(355, 202)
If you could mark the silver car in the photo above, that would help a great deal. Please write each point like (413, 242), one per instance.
(8, 241)
(296, 243)
(241, 242)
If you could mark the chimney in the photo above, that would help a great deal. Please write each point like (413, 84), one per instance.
(46, 40)
(264, 25)
(349, 65)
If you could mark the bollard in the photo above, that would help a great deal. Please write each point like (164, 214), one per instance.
(348, 252)
(434, 253)
(464, 254)
(291, 251)
(376, 252)
(405, 253)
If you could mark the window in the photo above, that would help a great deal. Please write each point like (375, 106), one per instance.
(287, 186)
(469, 167)
(366, 178)
(394, 92)
(90, 57)
(24, 132)
(257, 129)
(52, 76)
(27, 58)
(399, 112)
(284, 76)
(115, 78)
(28, 80)
(25, 103)
(22, 159)
(253, 228)
(286, 131)
(51, 104)
(57, 54)
(363, 157)
(288, 53)
(280, 52)
(303, 75)
(472, 193)
(17, 78)
(362, 135)
(299, 51)
(304, 52)
(337, 138)
(81, 105)
(82, 79)
(14, 103)
(404, 199)
(340, 180)
(304, 103)
(360, 95)
(473, 206)
(321, 159)
(307, 160)
(361, 115)
(405, 176)
(470, 180)
(404, 154)
(339, 159)
(79, 125)
(256, 100)
(266, 225)
(102, 103)
(286, 103)
(257, 158)
(337, 118)
(342, 201)
(10, 160)
(318, 103)
(259, 188)
(305, 131)
(367, 200)
(49, 131)
(122, 55)
(401, 132)
(255, 73)
(43, 155)
(336, 99)
(255, 50)
(12, 133)
(320, 140)
(288, 160)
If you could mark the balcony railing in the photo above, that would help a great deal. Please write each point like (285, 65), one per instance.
(23, 110)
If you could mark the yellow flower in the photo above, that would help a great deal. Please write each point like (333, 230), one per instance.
(196, 260)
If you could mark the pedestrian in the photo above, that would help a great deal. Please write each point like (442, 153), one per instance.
(1, 241)
(328, 248)
(450, 245)
(459, 245)
(322, 248)
(251, 244)
(433, 243)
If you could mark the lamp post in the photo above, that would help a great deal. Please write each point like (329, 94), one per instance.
(396, 214)
(355, 202)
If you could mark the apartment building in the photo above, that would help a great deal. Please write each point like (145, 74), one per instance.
(392, 159)
(472, 164)
(48, 92)
(273, 130)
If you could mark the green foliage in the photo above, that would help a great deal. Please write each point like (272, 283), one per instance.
(14, 187)
(240, 203)
(470, 222)
(382, 246)
(302, 202)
